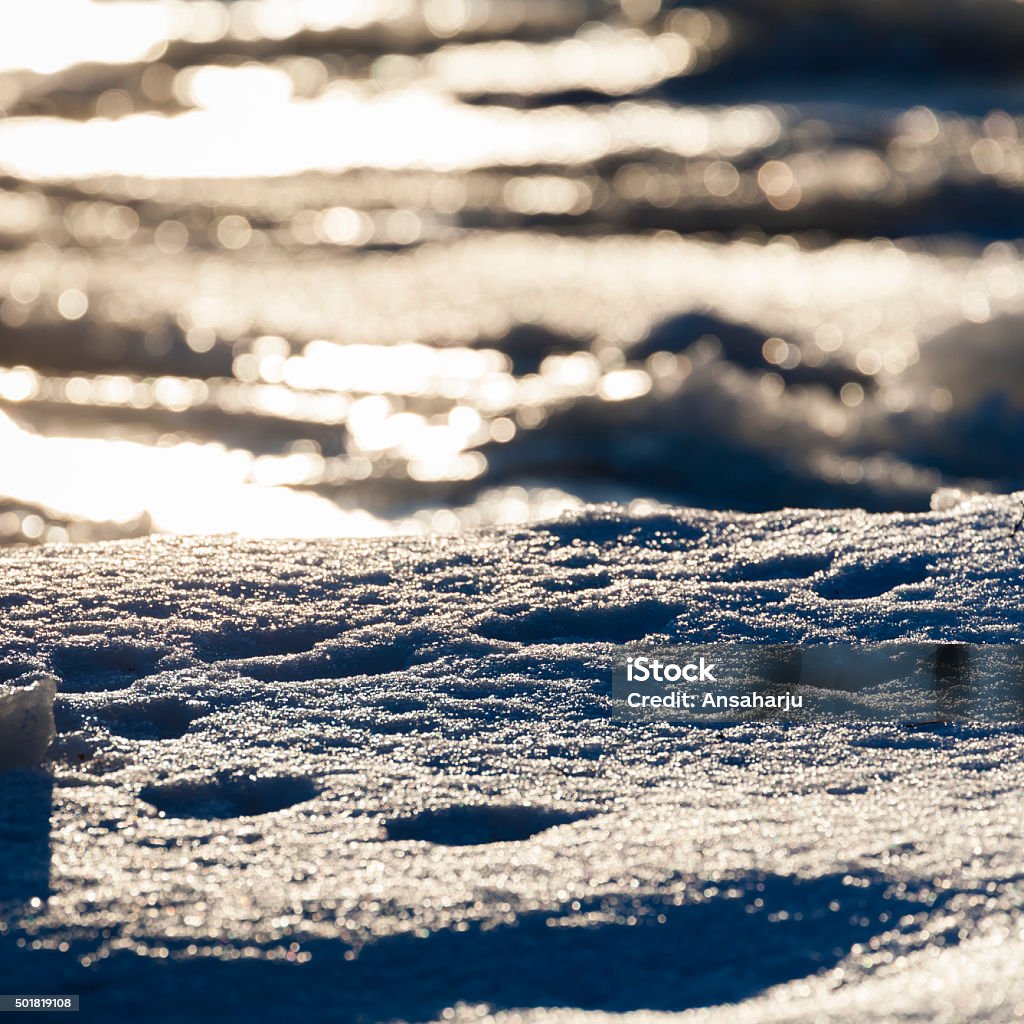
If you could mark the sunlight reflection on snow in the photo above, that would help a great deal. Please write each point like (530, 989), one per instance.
(345, 128)
(89, 31)
(185, 488)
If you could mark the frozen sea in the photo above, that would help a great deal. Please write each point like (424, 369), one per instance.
(284, 267)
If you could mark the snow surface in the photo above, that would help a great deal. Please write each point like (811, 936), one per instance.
(375, 780)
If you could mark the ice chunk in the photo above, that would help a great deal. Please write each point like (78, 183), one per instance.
(26, 723)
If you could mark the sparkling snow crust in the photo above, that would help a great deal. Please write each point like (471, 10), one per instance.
(378, 780)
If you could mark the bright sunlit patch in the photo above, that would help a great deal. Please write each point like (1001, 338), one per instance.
(603, 60)
(184, 488)
(395, 369)
(92, 31)
(245, 91)
(622, 385)
(88, 31)
(18, 384)
(345, 129)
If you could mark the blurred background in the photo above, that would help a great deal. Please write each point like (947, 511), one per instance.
(351, 267)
